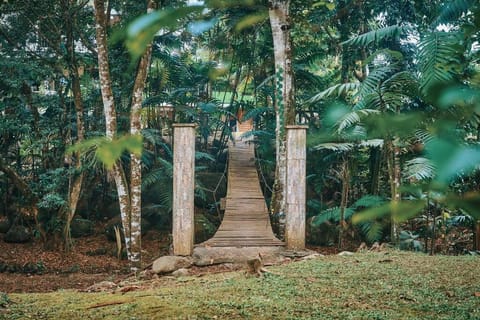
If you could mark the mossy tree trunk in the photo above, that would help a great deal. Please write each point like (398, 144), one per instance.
(284, 100)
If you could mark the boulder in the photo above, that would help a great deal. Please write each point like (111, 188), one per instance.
(167, 264)
(4, 224)
(182, 272)
(345, 254)
(81, 228)
(18, 234)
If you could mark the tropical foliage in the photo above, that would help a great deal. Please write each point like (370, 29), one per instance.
(390, 93)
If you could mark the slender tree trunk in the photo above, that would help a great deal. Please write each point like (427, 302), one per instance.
(75, 188)
(129, 197)
(136, 165)
(345, 177)
(111, 119)
(284, 100)
(394, 173)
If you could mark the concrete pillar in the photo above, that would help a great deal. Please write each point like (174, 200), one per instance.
(183, 188)
(296, 187)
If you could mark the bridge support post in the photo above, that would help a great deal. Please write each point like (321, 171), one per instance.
(295, 194)
(183, 188)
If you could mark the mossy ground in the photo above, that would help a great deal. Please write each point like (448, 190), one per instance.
(397, 285)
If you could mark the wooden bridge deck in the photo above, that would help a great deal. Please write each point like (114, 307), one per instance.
(246, 222)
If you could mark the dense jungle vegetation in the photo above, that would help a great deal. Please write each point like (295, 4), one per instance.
(389, 91)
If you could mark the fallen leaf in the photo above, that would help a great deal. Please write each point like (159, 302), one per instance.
(477, 294)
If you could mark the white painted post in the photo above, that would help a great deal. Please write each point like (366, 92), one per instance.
(183, 188)
(296, 187)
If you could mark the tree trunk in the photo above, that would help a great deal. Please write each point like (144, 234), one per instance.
(394, 173)
(345, 177)
(129, 198)
(111, 119)
(75, 188)
(284, 100)
(136, 165)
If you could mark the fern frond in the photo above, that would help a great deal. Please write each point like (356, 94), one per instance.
(369, 200)
(330, 214)
(335, 91)
(375, 36)
(419, 168)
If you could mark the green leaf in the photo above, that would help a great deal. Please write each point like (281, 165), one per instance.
(141, 31)
(400, 210)
(250, 20)
(470, 202)
(375, 36)
(371, 214)
(199, 27)
(451, 158)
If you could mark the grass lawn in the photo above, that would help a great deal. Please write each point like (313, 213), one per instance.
(398, 285)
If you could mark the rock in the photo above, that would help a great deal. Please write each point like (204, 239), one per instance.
(18, 234)
(313, 256)
(168, 264)
(102, 286)
(4, 225)
(206, 256)
(297, 254)
(182, 272)
(345, 253)
(81, 228)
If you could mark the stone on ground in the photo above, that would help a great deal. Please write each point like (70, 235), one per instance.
(206, 256)
(167, 264)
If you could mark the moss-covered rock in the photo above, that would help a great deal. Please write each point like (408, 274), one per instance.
(18, 234)
(82, 228)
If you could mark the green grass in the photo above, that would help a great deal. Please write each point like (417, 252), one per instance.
(365, 286)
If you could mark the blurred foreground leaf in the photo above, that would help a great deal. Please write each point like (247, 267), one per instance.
(110, 151)
(142, 30)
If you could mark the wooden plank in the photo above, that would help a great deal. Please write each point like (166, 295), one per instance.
(246, 221)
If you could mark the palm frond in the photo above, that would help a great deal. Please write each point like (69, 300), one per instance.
(375, 36)
(331, 214)
(424, 136)
(353, 118)
(203, 156)
(439, 54)
(335, 91)
(372, 230)
(402, 82)
(374, 79)
(372, 143)
(153, 177)
(419, 168)
(369, 200)
(454, 10)
(257, 112)
(335, 146)
(152, 136)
